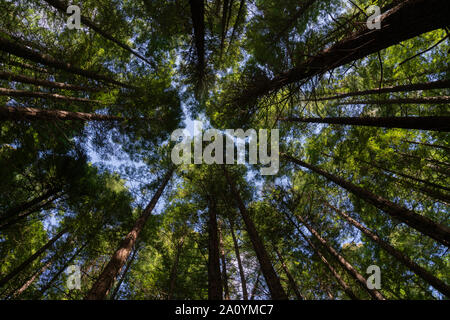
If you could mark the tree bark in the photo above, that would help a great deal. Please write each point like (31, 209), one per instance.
(428, 145)
(239, 261)
(174, 271)
(101, 287)
(272, 280)
(31, 259)
(374, 293)
(427, 15)
(45, 83)
(432, 85)
(421, 272)
(214, 276)
(28, 283)
(255, 286)
(421, 223)
(31, 114)
(44, 95)
(127, 267)
(22, 51)
(226, 291)
(440, 123)
(291, 280)
(24, 207)
(198, 22)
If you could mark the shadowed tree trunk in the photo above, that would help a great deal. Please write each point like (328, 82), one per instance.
(432, 85)
(374, 293)
(30, 281)
(174, 271)
(33, 257)
(127, 267)
(214, 276)
(239, 262)
(44, 95)
(423, 100)
(441, 123)
(423, 224)
(24, 207)
(421, 272)
(428, 145)
(272, 280)
(22, 51)
(226, 291)
(289, 275)
(198, 22)
(45, 83)
(256, 285)
(101, 287)
(333, 271)
(24, 113)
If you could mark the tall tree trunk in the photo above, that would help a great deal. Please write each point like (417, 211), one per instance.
(333, 271)
(62, 7)
(30, 281)
(44, 95)
(239, 262)
(236, 23)
(22, 113)
(45, 83)
(423, 224)
(440, 123)
(22, 51)
(31, 259)
(272, 280)
(226, 291)
(21, 216)
(174, 271)
(101, 287)
(61, 270)
(256, 285)
(198, 22)
(428, 145)
(422, 100)
(291, 280)
(432, 85)
(214, 276)
(127, 267)
(374, 293)
(421, 272)
(24, 207)
(427, 15)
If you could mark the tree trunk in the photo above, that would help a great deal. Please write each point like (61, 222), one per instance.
(236, 23)
(423, 224)
(64, 267)
(226, 291)
(127, 267)
(198, 22)
(440, 123)
(289, 275)
(432, 85)
(239, 262)
(339, 279)
(214, 276)
(255, 286)
(33, 257)
(421, 272)
(22, 51)
(272, 280)
(44, 95)
(101, 287)
(428, 145)
(22, 113)
(45, 83)
(24, 207)
(28, 283)
(15, 219)
(344, 263)
(427, 15)
(174, 271)
(61, 6)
